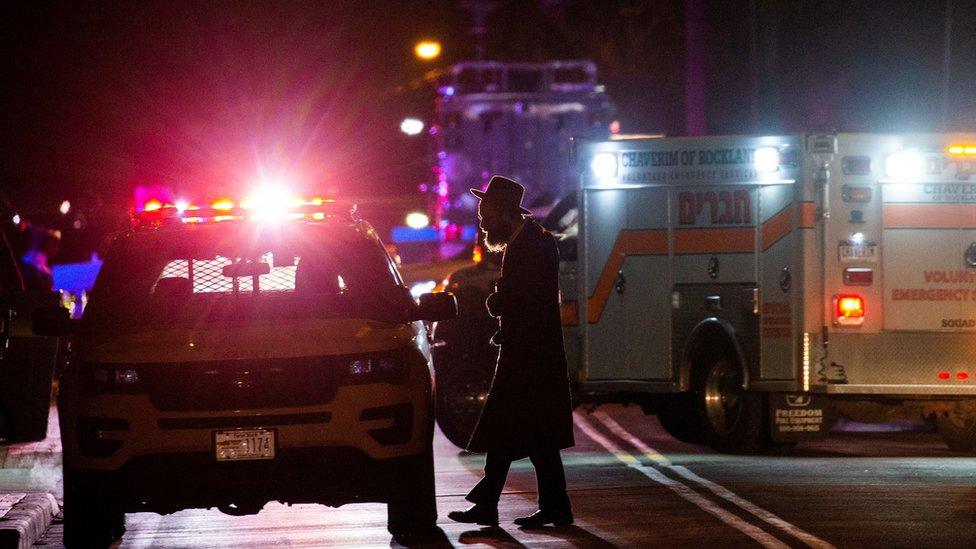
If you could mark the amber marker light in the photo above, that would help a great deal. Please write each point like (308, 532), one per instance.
(961, 149)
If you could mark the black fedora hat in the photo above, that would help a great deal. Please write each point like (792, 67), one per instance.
(504, 192)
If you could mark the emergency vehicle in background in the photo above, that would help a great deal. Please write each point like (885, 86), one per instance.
(748, 288)
(513, 118)
(235, 355)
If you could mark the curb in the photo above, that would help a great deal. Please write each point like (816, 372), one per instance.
(24, 524)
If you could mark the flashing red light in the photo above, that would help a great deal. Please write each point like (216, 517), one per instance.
(849, 309)
(452, 232)
(944, 375)
(962, 376)
(317, 209)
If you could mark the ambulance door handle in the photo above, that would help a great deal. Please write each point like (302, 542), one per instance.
(713, 303)
(620, 284)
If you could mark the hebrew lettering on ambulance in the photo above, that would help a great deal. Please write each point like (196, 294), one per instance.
(714, 207)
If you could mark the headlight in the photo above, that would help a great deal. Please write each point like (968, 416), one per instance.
(123, 378)
(375, 370)
(904, 165)
(604, 165)
(766, 159)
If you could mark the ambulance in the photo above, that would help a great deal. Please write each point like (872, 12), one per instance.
(238, 354)
(748, 289)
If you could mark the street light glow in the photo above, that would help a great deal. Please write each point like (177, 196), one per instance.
(417, 220)
(427, 49)
(411, 126)
(65, 207)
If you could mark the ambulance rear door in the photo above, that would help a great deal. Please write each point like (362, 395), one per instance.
(929, 259)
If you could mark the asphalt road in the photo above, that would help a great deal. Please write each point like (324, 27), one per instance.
(634, 486)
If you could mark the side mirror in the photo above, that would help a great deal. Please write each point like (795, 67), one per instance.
(567, 248)
(52, 321)
(437, 307)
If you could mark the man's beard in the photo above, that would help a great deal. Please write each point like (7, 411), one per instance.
(494, 246)
(496, 239)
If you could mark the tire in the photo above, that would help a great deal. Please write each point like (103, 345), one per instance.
(27, 425)
(4, 428)
(26, 395)
(92, 518)
(412, 508)
(958, 431)
(730, 418)
(678, 418)
(460, 395)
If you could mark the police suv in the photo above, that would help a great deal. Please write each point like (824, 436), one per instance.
(232, 356)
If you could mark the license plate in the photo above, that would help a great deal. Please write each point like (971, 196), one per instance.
(865, 252)
(244, 444)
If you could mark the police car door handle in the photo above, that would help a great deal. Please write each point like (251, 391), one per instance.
(713, 303)
(620, 284)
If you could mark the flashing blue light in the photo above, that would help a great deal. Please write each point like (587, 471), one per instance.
(402, 234)
(76, 277)
(469, 232)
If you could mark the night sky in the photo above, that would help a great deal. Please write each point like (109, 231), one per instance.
(208, 96)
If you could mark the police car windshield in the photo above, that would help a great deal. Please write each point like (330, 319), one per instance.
(245, 274)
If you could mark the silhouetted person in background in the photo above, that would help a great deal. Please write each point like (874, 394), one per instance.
(528, 412)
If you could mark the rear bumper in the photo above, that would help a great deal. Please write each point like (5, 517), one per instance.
(946, 390)
(166, 483)
(903, 363)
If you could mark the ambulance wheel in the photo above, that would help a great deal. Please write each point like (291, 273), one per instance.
(958, 430)
(730, 418)
(678, 419)
(460, 395)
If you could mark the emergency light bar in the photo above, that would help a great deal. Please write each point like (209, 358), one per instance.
(317, 209)
(961, 149)
(905, 165)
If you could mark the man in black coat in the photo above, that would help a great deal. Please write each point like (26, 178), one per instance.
(528, 412)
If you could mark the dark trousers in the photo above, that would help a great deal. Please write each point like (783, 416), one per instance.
(549, 474)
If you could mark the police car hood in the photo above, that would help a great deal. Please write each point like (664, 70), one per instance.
(283, 339)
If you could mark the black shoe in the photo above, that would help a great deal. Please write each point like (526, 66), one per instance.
(541, 518)
(419, 535)
(476, 514)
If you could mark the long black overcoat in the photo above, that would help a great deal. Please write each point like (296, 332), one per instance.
(528, 407)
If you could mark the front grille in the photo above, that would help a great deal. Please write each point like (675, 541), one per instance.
(239, 422)
(242, 384)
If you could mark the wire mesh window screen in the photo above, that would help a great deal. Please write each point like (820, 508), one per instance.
(206, 275)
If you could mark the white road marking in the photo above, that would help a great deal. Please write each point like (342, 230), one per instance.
(761, 536)
(721, 491)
